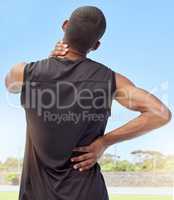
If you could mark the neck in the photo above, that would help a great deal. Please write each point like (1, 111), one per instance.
(74, 54)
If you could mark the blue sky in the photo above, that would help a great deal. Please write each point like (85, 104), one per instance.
(139, 43)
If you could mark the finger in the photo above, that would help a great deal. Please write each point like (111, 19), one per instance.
(82, 149)
(59, 53)
(58, 48)
(52, 54)
(82, 157)
(86, 167)
(83, 164)
(63, 45)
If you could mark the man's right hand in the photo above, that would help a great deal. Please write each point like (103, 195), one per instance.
(60, 50)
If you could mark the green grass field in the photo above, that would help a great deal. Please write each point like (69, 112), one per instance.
(129, 197)
(13, 196)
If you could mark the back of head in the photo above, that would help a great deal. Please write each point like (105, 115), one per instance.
(85, 27)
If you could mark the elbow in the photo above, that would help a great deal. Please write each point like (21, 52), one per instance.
(11, 87)
(166, 116)
(160, 118)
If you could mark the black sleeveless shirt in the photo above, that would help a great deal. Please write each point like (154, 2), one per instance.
(67, 104)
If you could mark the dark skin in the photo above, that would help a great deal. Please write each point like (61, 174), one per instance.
(153, 113)
(69, 52)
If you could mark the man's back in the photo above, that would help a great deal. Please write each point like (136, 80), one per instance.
(67, 105)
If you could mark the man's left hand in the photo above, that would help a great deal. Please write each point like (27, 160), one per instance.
(91, 155)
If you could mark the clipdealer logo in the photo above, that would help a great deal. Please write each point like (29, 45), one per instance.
(43, 99)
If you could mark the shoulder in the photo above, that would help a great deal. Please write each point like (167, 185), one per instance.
(33, 69)
(102, 68)
(99, 65)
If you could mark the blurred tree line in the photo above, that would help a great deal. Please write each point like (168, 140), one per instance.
(142, 161)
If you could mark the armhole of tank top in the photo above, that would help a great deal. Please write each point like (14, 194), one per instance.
(112, 80)
(114, 86)
(24, 85)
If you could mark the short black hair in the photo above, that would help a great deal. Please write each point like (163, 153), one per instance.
(86, 26)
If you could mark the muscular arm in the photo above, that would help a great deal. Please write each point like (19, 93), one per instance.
(153, 113)
(14, 78)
